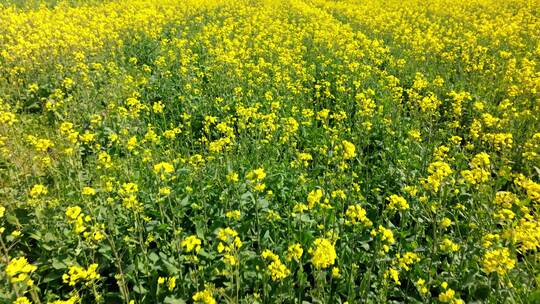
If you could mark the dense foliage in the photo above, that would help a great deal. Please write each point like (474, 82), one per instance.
(294, 151)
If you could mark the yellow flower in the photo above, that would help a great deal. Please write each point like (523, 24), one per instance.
(235, 214)
(77, 273)
(165, 191)
(480, 160)
(448, 245)
(294, 252)
(87, 137)
(38, 190)
(40, 144)
(278, 271)
(171, 283)
(73, 212)
(397, 202)
(357, 214)
(18, 269)
(303, 159)
(232, 177)
(300, 208)
(394, 274)
(88, 191)
(405, 261)
(256, 175)
(335, 273)
(77, 218)
(129, 188)
(349, 150)
(415, 134)
(68, 83)
(157, 107)
(16, 233)
(445, 222)
(22, 300)
(191, 243)
(421, 286)
(456, 139)
(230, 259)
(498, 260)
(163, 167)
(386, 235)
(72, 300)
(438, 171)
(204, 297)
(132, 143)
(105, 160)
(229, 243)
(314, 197)
(448, 296)
(506, 199)
(532, 188)
(324, 253)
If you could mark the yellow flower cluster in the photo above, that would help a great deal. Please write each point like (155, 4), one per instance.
(77, 218)
(80, 274)
(19, 270)
(447, 245)
(297, 124)
(229, 243)
(498, 260)
(408, 258)
(163, 169)
(277, 269)
(171, 282)
(128, 193)
(393, 274)
(532, 188)
(356, 214)
(480, 171)
(349, 150)
(526, 234)
(314, 197)
(397, 202)
(294, 252)
(191, 243)
(449, 295)
(386, 236)
(7, 117)
(323, 255)
(204, 297)
(438, 171)
(256, 177)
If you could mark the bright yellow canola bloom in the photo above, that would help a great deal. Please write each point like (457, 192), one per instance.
(323, 255)
(22, 300)
(191, 243)
(499, 261)
(356, 214)
(19, 270)
(397, 202)
(204, 297)
(277, 269)
(79, 274)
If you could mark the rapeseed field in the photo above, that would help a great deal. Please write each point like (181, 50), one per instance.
(273, 151)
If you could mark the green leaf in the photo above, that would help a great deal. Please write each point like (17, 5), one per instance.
(153, 257)
(171, 300)
(185, 201)
(56, 264)
(139, 289)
